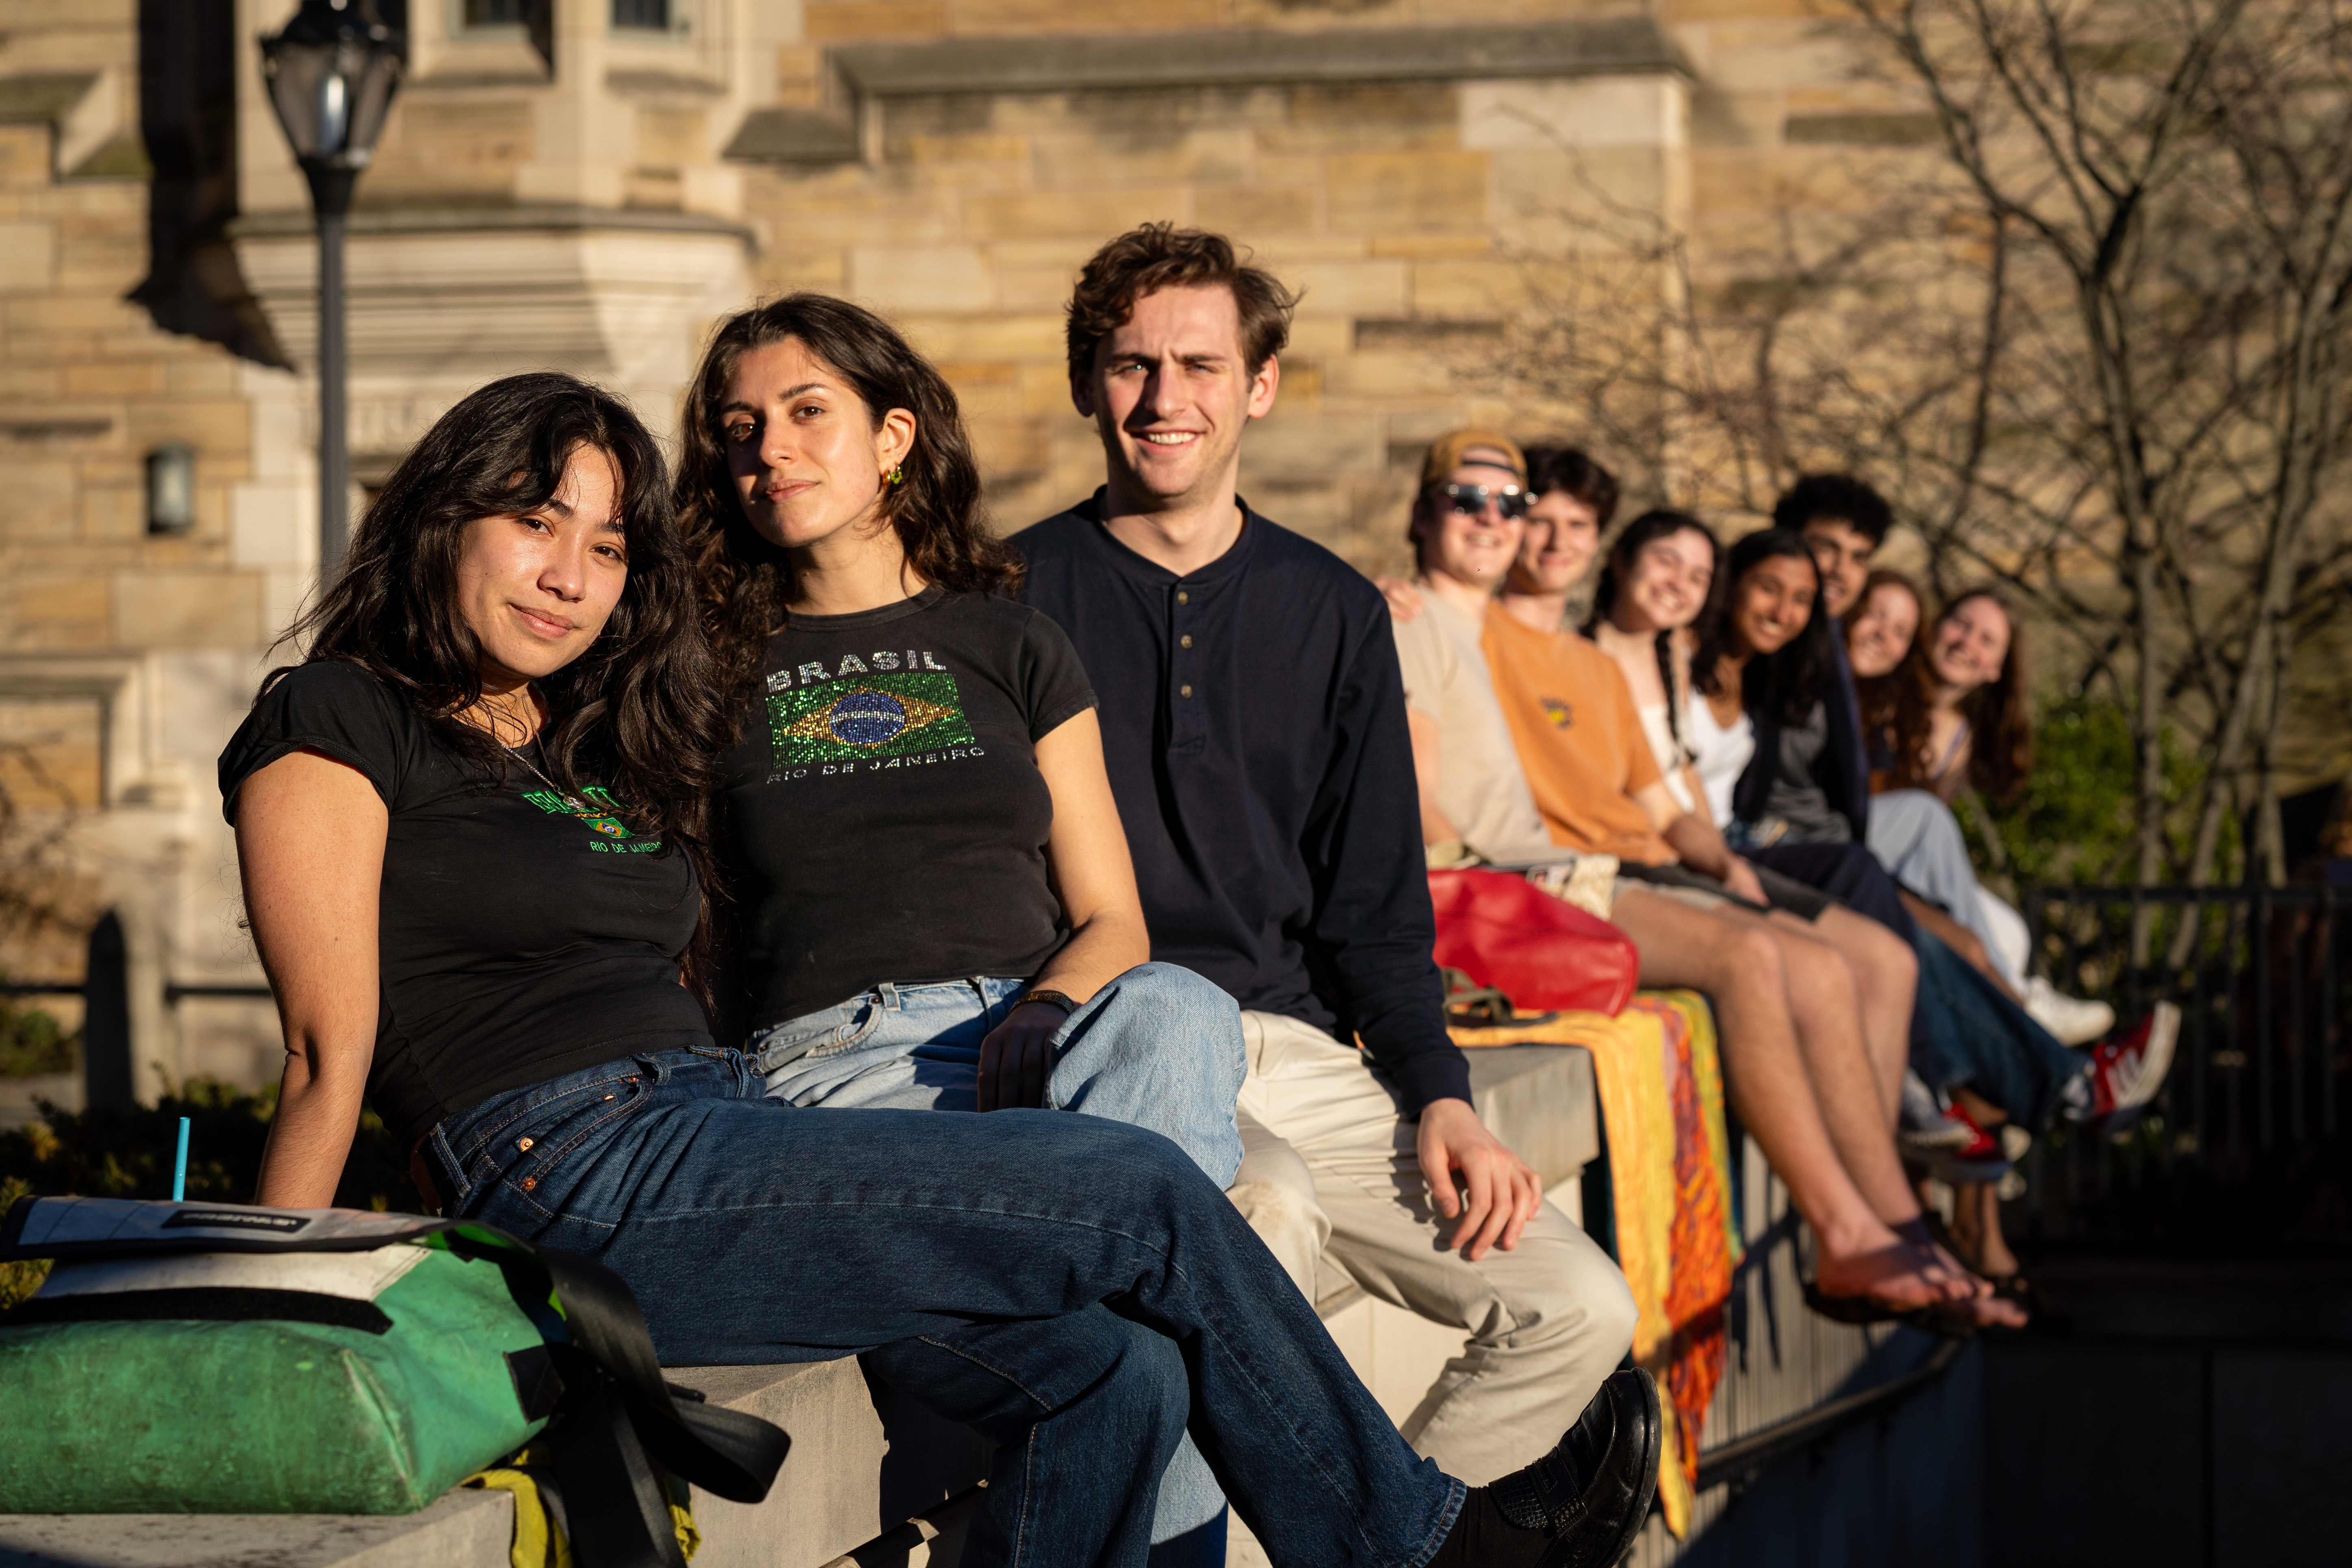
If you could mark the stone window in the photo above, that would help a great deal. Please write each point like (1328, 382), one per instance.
(648, 15)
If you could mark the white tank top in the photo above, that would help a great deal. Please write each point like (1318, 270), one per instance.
(1669, 755)
(1720, 752)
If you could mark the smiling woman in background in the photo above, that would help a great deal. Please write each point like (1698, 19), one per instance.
(1911, 827)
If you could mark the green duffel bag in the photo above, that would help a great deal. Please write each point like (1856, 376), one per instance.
(188, 1358)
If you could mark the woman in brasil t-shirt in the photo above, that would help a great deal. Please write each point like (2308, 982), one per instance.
(936, 909)
(934, 904)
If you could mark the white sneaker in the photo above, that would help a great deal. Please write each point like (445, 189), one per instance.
(1927, 1124)
(2075, 1021)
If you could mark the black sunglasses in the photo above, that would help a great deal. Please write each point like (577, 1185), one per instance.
(1471, 499)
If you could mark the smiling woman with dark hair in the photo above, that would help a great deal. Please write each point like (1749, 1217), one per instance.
(505, 669)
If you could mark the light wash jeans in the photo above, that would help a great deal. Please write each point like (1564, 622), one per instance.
(1080, 1323)
(1157, 1048)
(1919, 840)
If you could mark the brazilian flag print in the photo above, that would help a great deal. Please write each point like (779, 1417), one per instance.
(866, 716)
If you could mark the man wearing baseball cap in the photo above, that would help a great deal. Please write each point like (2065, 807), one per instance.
(1466, 527)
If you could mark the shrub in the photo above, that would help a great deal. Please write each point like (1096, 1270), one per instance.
(108, 1153)
(33, 1044)
(2076, 820)
(18, 1280)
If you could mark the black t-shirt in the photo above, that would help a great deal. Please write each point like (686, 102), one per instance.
(885, 819)
(519, 939)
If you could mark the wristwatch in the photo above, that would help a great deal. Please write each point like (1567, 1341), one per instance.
(1051, 999)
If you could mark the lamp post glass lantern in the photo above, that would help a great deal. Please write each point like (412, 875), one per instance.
(331, 73)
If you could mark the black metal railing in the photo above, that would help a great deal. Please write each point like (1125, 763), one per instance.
(2248, 1142)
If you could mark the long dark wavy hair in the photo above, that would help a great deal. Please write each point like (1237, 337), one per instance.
(637, 712)
(1617, 567)
(1782, 686)
(744, 581)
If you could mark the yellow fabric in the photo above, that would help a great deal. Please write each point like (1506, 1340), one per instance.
(538, 1540)
(537, 1543)
(1679, 1282)
(1640, 1130)
(1707, 1066)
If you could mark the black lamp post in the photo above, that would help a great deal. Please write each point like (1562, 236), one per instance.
(332, 75)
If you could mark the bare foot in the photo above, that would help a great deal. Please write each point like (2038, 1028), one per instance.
(1993, 1256)
(1961, 1283)
(1992, 1312)
(1889, 1274)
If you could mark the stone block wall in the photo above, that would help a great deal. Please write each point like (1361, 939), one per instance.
(1429, 172)
(1415, 218)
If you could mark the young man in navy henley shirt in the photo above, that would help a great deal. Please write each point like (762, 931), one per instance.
(1254, 724)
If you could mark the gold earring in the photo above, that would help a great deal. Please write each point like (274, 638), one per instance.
(896, 476)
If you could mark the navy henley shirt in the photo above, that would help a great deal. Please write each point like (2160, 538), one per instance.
(1253, 718)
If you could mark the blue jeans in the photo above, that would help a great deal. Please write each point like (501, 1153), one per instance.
(1919, 840)
(1157, 1048)
(1078, 1323)
(1977, 1037)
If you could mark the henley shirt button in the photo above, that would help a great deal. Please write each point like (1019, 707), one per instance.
(1183, 691)
(1186, 641)
(1183, 597)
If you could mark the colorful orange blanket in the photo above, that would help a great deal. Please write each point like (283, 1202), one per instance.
(1661, 1086)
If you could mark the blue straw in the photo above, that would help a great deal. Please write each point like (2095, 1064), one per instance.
(180, 1167)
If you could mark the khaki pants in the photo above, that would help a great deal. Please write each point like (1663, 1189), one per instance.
(1330, 1168)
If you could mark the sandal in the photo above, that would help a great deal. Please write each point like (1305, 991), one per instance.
(1952, 1320)
(2019, 1291)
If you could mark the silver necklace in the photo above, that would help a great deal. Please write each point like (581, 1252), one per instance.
(570, 802)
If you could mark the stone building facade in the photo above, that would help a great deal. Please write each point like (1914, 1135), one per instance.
(587, 183)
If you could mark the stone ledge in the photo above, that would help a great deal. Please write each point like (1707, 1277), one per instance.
(1236, 57)
(504, 217)
(463, 1529)
(1540, 1101)
(1226, 56)
(793, 136)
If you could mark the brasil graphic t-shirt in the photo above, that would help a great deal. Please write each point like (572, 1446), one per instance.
(885, 819)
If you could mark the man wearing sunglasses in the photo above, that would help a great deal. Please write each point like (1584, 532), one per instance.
(1468, 523)
(1254, 727)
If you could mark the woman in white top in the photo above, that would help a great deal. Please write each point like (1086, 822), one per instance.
(1658, 576)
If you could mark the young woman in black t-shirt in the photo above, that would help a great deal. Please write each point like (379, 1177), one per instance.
(937, 910)
(936, 906)
(469, 829)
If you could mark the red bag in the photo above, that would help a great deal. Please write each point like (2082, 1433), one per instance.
(1503, 930)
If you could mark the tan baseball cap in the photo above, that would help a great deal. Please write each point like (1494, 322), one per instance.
(1447, 452)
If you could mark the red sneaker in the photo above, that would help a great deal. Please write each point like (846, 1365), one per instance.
(1975, 1156)
(2126, 1071)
